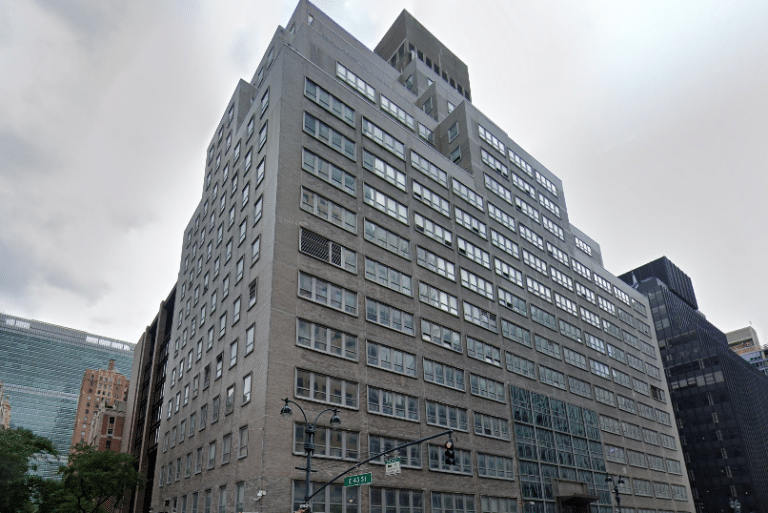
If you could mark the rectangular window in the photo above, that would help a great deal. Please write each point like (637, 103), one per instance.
(435, 263)
(431, 199)
(429, 169)
(474, 253)
(328, 251)
(391, 359)
(389, 316)
(508, 272)
(491, 139)
(426, 134)
(396, 112)
(483, 351)
(480, 317)
(328, 101)
(531, 236)
(494, 427)
(388, 277)
(393, 404)
(600, 369)
(557, 254)
(326, 340)
(547, 347)
(487, 388)
(469, 222)
(494, 163)
(586, 248)
(523, 185)
(388, 240)
(543, 317)
(438, 298)
(527, 209)
(604, 396)
(579, 387)
(385, 204)
(610, 424)
(326, 389)
(502, 192)
(263, 136)
(329, 136)
(551, 377)
(553, 228)
(477, 284)
(619, 355)
(328, 294)
(432, 230)
(328, 210)
(442, 374)
(355, 82)
(521, 366)
(538, 289)
(440, 335)
(444, 415)
(467, 194)
(383, 170)
(574, 358)
(505, 244)
(410, 457)
(463, 466)
(329, 443)
(384, 139)
(328, 172)
(516, 333)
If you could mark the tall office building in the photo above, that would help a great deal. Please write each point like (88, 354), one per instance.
(745, 343)
(368, 240)
(5, 408)
(720, 400)
(99, 387)
(42, 367)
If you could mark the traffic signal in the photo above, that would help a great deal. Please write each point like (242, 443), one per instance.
(450, 456)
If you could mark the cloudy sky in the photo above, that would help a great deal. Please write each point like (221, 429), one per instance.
(654, 114)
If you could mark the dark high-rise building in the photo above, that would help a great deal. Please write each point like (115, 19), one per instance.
(145, 401)
(42, 367)
(368, 240)
(720, 400)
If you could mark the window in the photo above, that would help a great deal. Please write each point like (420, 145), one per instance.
(410, 457)
(474, 253)
(329, 211)
(470, 222)
(442, 374)
(383, 170)
(326, 389)
(579, 387)
(233, 354)
(487, 388)
(483, 351)
(396, 112)
(453, 132)
(600, 369)
(222, 324)
(439, 414)
(467, 194)
(387, 240)
(539, 289)
(543, 317)
(329, 102)
(463, 466)
(440, 335)
(391, 359)
(505, 244)
(438, 298)
(236, 311)
(626, 404)
(432, 230)
(604, 396)
(330, 173)
(477, 284)
(226, 448)
(456, 155)
(431, 199)
(327, 294)
(520, 365)
(229, 404)
(586, 248)
(389, 316)
(551, 377)
(219, 365)
(212, 463)
(480, 317)
(493, 162)
(263, 135)
(329, 443)
(355, 82)
(495, 187)
(393, 404)
(327, 340)
(574, 358)
(435, 263)
(621, 378)
(429, 169)
(491, 139)
(329, 136)
(384, 139)
(386, 204)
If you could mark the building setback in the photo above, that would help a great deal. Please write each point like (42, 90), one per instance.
(108, 427)
(100, 387)
(42, 366)
(368, 240)
(718, 397)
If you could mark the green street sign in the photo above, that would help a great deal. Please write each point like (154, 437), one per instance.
(362, 479)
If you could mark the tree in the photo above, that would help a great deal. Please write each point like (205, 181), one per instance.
(94, 480)
(17, 486)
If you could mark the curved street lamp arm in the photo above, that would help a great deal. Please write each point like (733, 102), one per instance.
(306, 422)
(334, 410)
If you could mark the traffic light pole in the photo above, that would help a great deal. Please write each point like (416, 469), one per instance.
(376, 456)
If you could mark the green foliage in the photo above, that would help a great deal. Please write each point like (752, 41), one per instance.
(17, 487)
(94, 480)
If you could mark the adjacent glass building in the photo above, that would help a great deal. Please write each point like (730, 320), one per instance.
(42, 367)
(720, 400)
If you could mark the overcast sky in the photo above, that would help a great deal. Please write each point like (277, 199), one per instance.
(654, 114)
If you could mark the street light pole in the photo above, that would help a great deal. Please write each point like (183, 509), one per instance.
(619, 481)
(309, 439)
